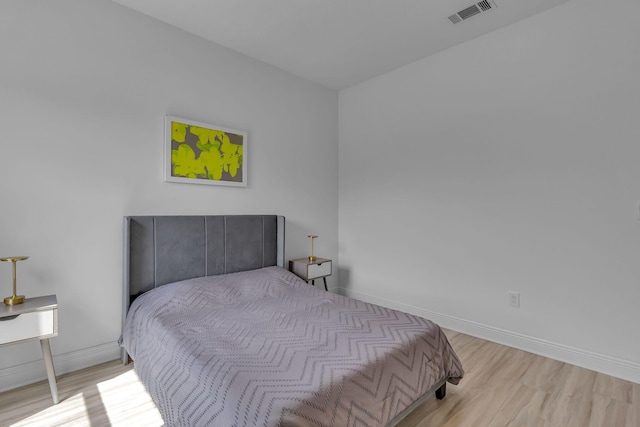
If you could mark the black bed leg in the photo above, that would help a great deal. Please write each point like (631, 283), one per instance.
(441, 392)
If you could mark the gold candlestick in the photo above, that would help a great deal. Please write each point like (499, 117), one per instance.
(15, 299)
(312, 237)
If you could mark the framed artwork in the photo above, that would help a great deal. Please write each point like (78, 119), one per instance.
(200, 153)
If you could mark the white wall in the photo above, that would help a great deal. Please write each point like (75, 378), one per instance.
(508, 163)
(84, 88)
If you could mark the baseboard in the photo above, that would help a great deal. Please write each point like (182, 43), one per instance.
(625, 369)
(31, 372)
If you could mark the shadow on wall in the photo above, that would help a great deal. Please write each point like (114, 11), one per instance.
(344, 279)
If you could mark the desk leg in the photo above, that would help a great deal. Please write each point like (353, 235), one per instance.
(51, 374)
(325, 283)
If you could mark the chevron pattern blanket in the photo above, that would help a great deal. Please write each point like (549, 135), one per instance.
(264, 348)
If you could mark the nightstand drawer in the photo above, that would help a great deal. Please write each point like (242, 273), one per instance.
(35, 324)
(319, 270)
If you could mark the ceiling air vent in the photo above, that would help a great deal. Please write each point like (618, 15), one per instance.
(466, 13)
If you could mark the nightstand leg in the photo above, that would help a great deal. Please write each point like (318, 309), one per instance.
(325, 283)
(48, 364)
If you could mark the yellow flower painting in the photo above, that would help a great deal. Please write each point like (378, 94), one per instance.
(199, 153)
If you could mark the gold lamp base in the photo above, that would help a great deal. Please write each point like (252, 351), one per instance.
(16, 299)
(312, 237)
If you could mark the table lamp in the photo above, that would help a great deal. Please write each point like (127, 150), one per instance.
(15, 299)
(312, 237)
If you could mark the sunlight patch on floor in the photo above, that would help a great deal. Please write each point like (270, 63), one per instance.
(118, 401)
(119, 405)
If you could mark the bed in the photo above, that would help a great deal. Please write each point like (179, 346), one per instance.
(222, 335)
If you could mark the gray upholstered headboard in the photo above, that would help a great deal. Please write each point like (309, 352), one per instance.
(164, 249)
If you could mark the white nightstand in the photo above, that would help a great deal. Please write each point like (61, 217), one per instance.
(311, 270)
(35, 319)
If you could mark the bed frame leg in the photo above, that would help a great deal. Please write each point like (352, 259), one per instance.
(441, 392)
(124, 357)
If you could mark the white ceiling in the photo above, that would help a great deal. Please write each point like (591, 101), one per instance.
(336, 43)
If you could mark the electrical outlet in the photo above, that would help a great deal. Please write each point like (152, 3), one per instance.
(514, 299)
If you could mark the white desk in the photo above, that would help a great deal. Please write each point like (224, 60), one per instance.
(35, 319)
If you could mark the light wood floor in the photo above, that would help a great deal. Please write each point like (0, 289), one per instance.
(501, 387)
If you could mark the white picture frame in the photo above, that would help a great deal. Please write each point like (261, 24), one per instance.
(202, 153)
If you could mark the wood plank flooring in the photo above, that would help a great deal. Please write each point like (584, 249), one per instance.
(507, 387)
(502, 387)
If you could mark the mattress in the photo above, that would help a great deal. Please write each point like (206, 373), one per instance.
(264, 348)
